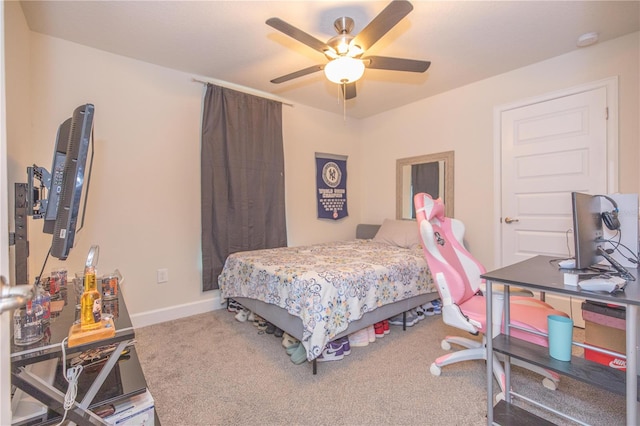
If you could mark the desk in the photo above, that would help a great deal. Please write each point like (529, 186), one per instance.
(126, 377)
(541, 274)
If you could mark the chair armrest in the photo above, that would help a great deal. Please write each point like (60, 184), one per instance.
(453, 316)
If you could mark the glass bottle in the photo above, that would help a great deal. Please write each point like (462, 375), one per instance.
(90, 303)
(43, 298)
(27, 324)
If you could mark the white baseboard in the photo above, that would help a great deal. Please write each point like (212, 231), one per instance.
(171, 313)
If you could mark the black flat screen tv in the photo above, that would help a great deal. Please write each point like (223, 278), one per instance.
(587, 229)
(57, 172)
(74, 186)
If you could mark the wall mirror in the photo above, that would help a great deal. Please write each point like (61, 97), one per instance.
(432, 174)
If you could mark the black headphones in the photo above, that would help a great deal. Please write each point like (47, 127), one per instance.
(610, 219)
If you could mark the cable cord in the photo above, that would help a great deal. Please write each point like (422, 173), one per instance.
(44, 264)
(633, 257)
(566, 234)
(71, 376)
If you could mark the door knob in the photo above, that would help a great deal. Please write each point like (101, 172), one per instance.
(510, 220)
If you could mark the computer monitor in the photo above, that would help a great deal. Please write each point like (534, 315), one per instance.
(587, 229)
(75, 182)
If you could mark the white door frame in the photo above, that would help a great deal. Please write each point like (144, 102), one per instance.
(611, 84)
(5, 343)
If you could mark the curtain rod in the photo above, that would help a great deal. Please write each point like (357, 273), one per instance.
(242, 89)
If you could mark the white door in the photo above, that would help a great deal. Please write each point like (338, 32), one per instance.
(550, 148)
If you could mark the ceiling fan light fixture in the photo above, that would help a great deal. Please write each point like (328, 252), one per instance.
(330, 53)
(341, 43)
(344, 70)
(355, 51)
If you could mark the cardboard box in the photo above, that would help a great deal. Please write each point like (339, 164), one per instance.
(606, 359)
(137, 410)
(605, 328)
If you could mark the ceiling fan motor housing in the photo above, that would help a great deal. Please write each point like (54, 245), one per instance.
(341, 44)
(343, 25)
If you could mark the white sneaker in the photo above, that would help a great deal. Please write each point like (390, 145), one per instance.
(371, 332)
(398, 319)
(288, 341)
(242, 315)
(360, 338)
(418, 317)
(411, 319)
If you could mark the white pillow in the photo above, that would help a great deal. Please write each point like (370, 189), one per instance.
(401, 233)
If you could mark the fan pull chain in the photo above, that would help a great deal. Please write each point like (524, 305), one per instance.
(344, 102)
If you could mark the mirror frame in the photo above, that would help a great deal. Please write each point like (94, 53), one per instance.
(448, 158)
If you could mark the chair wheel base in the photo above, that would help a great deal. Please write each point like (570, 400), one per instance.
(435, 370)
(549, 384)
(445, 345)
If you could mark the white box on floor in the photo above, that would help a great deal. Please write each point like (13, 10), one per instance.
(137, 410)
(24, 406)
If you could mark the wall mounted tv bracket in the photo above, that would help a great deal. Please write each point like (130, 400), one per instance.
(31, 199)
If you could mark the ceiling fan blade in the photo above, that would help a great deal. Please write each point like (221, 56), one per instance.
(298, 34)
(395, 64)
(349, 90)
(381, 24)
(297, 74)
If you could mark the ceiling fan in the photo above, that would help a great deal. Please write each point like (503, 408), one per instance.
(345, 51)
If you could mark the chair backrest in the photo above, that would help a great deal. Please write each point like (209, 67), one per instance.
(455, 270)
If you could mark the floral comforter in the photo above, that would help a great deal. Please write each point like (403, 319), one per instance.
(327, 285)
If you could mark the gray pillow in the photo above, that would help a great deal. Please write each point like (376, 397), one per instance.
(400, 233)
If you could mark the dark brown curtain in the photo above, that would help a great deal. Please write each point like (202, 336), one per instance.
(425, 178)
(242, 170)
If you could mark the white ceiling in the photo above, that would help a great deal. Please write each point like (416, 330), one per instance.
(228, 41)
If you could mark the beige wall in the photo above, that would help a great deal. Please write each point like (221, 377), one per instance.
(144, 209)
(307, 131)
(144, 203)
(463, 120)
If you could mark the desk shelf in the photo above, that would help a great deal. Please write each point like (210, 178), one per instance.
(506, 414)
(586, 371)
(124, 380)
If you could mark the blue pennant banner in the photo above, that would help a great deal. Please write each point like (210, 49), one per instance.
(331, 178)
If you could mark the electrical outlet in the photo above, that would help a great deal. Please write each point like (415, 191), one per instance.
(162, 275)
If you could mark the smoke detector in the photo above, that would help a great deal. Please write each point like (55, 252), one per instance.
(587, 39)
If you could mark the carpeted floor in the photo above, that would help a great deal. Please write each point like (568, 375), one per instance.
(210, 369)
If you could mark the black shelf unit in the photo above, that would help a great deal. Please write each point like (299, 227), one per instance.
(586, 371)
(578, 368)
(506, 414)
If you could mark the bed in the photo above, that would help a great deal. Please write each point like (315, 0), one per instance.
(322, 292)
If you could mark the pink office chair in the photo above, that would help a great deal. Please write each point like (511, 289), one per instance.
(457, 276)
